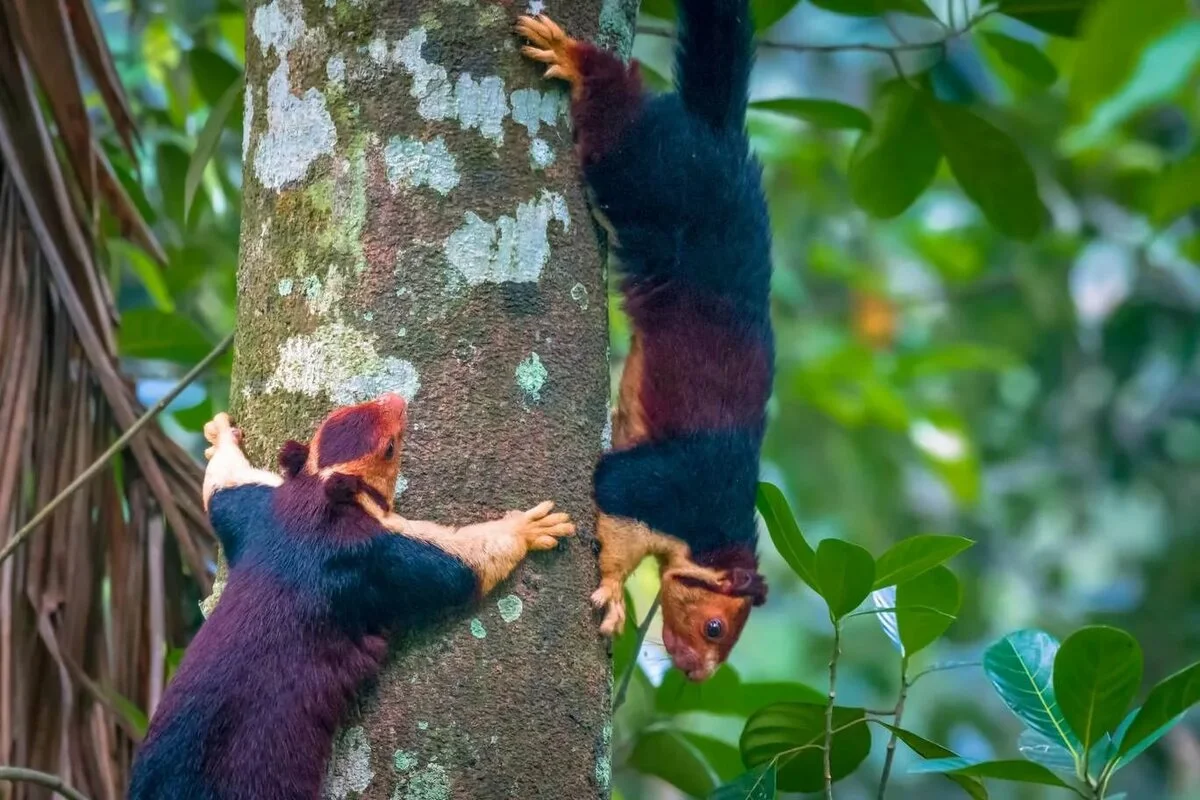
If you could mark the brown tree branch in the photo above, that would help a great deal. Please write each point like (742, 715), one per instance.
(51, 782)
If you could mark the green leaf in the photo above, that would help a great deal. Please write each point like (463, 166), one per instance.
(932, 750)
(1114, 35)
(171, 165)
(1166, 701)
(767, 12)
(1097, 672)
(886, 598)
(147, 270)
(757, 784)
(1177, 191)
(1020, 667)
(1015, 770)
(910, 557)
(990, 168)
(1037, 748)
(794, 733)
(194, 417)
(845, 573)
(1060, 17)
(725, 694)
(785, 533)
(133, 715)
(212, 74)
(207, 142)
(152, 334)
(725, 759)
(875, 8)
(662, 9)
(1022, 56)
(654, 79)
(821, 113)
(668, 755)
(925, 607)
(895, 161)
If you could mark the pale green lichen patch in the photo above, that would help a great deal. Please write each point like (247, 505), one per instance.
(345, 199)
(531, 377)
(413, 163)
(429, 783)
(342, 363)
(285, 286)
(541, 155)
(579, 294)
(615, 31)
(477, 629)
(604, 757)
(350, 765)
(510, 608)
(335, 70)
(532, 109)
(423, 726)
(403, 761)
(511, 248)
(299, 127)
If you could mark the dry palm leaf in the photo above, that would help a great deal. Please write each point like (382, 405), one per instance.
(90, 604)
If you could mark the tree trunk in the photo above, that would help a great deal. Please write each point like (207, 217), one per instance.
(413, 222)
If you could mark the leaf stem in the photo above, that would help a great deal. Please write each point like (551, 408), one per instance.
(899, 713)
(943, 668)
(619, 697)
(828, 748)
(100, 463)
(51, 782)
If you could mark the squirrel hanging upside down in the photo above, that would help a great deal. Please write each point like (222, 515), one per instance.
(321, 569)
(673, 182)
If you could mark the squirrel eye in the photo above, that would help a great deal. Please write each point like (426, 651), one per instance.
(391, 451)
(714, 628)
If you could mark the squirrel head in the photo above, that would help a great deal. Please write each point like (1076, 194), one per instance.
(704, 611)
(356, 450)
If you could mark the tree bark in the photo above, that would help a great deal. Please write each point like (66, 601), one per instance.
(413, 222)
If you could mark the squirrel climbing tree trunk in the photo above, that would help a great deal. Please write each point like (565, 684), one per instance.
(413, 222)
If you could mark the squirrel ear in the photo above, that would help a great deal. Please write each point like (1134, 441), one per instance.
(748, 583)
(292, 457)
(341, 489)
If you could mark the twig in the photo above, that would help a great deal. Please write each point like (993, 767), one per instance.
(116, 447)
(942, 668)
(619, 698)
(837, 651)
(891, 745)
(51, 782)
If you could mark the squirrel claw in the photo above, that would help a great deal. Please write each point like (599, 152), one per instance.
(614, 617)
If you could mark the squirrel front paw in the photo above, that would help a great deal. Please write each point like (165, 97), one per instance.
(537, 528)
(549, 44)
(611, 597)
(221, 432)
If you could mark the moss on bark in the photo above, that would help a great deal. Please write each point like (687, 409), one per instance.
(409, 226)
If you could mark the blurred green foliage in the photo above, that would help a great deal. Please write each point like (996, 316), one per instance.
(986, 296)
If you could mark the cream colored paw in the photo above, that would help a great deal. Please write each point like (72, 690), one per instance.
(611, 597)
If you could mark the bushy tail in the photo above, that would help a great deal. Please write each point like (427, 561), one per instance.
(716, 50)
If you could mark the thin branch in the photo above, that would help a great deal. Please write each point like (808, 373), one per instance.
(891, 745)
(117, 446)
(51, 782)
(828, 754)
(619, 698)
(942, 668)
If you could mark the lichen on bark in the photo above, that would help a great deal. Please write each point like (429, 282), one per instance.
(413, 222)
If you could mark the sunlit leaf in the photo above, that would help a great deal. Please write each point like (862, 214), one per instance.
(785, 533)
(926, 606)
(1177, 191)
(147, 271)
(990, 168)
(212, 74)
(845, 573)
(874, 8)
(1168, 700)
(1022, 56)
(1020, 667)
(821, 113)
(910, 557)
(1060, 17)
(799, 730)
(725, 693)
(757, 784)
(207, 142)
(1097, 672)
(1016, 770)
(894, 162)
(1114, 36)
(932, 750)
(668, 755)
